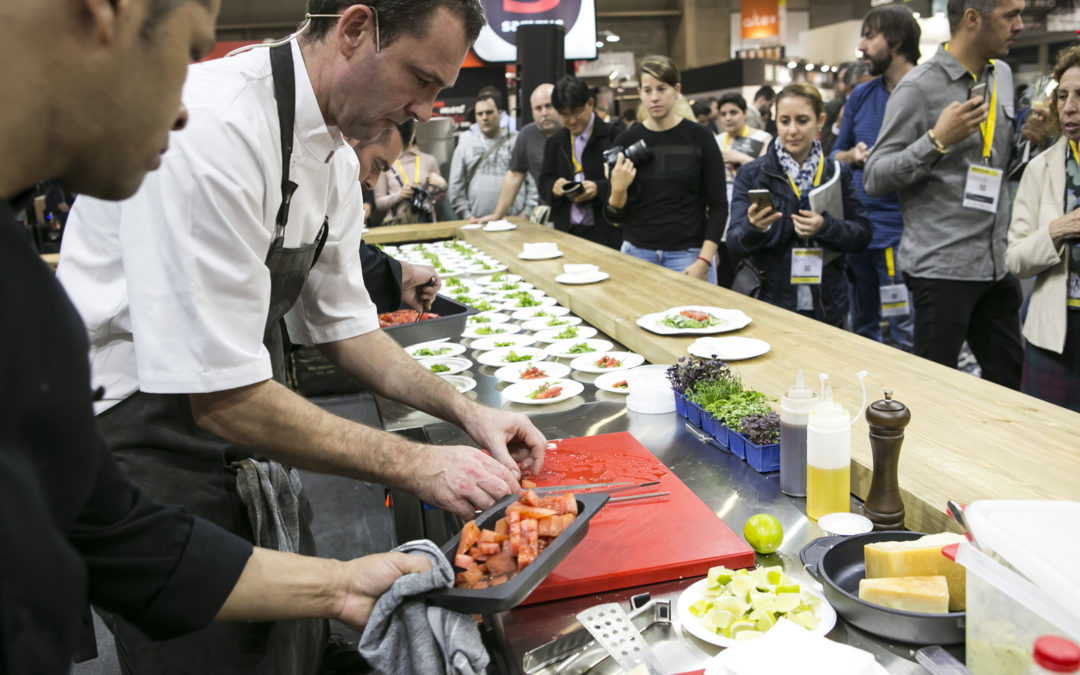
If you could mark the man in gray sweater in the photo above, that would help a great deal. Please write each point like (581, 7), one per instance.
(480, 161)
(943, 146)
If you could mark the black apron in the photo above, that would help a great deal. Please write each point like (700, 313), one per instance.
(157, 442)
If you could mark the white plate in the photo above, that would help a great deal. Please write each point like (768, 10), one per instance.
(494, 318)
(472, 226)
(552, 334)
(728, 348)
(497, 357)
(462, 383)
(591, 278)
(490, 330)
(479, 268)
(733, 320)
(486, 344)
(514, 306)
(545, 256)
(452, 349)
(519, 393)
(488, 281)
(587, 363)
(607, 381)
(505, 296)
(824, 612)
(497, 287)
(559, 349)
(456, 364)
(551, 370)
(529, 313)
(542, 323)
(499, 226)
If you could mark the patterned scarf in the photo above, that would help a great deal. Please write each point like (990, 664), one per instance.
(1072, 199)
(803, 176)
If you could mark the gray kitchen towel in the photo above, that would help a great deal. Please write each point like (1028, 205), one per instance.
(405, 635)
(270, 493)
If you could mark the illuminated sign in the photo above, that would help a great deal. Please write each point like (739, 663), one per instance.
(760, 19)
(498, 40)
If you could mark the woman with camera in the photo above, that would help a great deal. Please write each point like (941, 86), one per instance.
(667, 188)
(794, 255)
(408, 190)
(1044, 242)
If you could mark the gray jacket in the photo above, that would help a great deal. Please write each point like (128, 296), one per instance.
(480, 197)
(942, 239)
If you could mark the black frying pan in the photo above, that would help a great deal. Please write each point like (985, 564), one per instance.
(838, 563)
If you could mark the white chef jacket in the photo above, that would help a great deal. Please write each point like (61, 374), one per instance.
(172, 283)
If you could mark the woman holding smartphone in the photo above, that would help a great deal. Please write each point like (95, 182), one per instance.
(672, 207)
(797, 252)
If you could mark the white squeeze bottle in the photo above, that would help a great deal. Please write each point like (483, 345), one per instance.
(828, 455)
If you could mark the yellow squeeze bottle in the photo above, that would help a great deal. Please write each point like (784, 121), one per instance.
(828, 456)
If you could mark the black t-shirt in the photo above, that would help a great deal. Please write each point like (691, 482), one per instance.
(72, 527)
(679, 198)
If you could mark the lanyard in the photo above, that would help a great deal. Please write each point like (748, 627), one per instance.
(731, 140)
(987, 127)
(416, 171)
(574, 159)
(890, 263)
(1075, 152)
(817, 178)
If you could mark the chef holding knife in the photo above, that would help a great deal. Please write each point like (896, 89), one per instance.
(184, 287)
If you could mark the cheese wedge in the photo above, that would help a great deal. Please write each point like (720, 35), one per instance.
(918, 558)
(911, 594)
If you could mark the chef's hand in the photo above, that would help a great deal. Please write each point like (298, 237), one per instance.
(807, 223)
(419, 284)
(461, 479)
(762, 217)
(363, 580)
(510, 438)
(588, 194)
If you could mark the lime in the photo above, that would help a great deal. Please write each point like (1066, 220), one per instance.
(763, 532)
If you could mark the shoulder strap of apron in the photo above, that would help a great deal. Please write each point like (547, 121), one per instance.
(281, 65)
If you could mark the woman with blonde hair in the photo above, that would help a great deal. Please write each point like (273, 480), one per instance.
(670, 199)
(797, 252)
(1044, 242)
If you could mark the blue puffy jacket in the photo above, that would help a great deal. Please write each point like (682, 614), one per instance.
(770, 251)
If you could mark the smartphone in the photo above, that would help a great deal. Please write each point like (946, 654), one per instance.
(977, 90)
(572, 189)
(762, 198)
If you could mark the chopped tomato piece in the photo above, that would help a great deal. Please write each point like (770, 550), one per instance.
(473, 574)
(529, 497)
(550, 392)
(502, 526)
(489, 549)
(502, 562)
(527, 484)
(527, 511)
(695, 315)
(470, 534)
(533, 373)
(463, 561)
(571, 503)
(620, 385)
(530, 543)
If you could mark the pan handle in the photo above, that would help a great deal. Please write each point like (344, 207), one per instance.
(812, 554)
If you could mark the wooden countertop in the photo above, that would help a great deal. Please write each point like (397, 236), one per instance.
(968, 438)
(390, 234)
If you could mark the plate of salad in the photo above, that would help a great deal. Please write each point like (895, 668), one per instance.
(487, 318)
(485, 344)
(486, 330)
(613, 381)
(424, 350)
(569, 349)
(565, 333)
(545, 322)
(530, 313)
(606, 362)
(532, 371)
(505, 356)
(694, 319)
(539, 392)
(499, 278)
(446, 365)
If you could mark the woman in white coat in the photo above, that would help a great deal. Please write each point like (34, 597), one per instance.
(1044, 242)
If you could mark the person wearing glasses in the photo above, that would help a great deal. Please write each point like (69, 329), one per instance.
(254, 220)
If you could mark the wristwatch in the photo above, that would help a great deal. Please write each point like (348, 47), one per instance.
(936, 143)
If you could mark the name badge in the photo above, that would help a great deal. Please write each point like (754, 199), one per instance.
(894, 300)
(806, 265)
(982, 188)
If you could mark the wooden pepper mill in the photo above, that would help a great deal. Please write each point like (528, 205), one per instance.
(887, 419)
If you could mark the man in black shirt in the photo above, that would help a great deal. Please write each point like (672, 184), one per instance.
(91, 105)
(576, 155)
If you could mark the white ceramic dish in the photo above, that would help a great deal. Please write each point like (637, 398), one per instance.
(506, 296)
(529, 313)
(607, 382)
(438, 349)
(499, 357)
(519, 393)
(579, 279)
(488, 281)
(561, 349)
(732, 319)
(463, 383)
(587, 363)
(728, 348)
(490, 330)
(512, 373)
(824, 612)
(556, 334)
(543, 323)
(493, 318)
(486, 344)
(514, 304)
(456, 364)
(541, 256)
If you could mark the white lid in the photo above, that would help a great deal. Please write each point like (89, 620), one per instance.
(1039, 539)
(799, 398)
(845, 524)
(829, 415)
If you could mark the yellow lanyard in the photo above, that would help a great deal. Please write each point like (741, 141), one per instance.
(416, 171)
(1075, 152)
(730, 140)
(987, 127)
(890, 263)
(574, 159)
(817, 178)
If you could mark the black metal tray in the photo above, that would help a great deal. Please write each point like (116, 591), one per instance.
(507, 596)
(451, 323)
(839, 564)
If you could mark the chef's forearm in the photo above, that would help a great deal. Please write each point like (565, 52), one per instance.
(279, 586)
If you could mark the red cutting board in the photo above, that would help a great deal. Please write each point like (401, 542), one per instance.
(637, 542)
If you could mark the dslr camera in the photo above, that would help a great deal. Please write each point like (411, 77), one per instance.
(638, 153)
(419, 196)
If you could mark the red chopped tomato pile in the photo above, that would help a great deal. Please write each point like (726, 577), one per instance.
(621, 385)
(533, 374)
(401, 316)
(695, 315)
(607, 362)
(493, 557)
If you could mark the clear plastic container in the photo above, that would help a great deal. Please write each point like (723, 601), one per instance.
(828, 458)
(795, 407)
